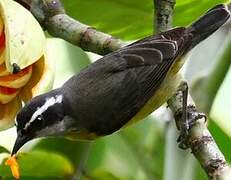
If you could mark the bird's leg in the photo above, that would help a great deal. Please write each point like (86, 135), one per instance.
(183, 124)
(189, 116)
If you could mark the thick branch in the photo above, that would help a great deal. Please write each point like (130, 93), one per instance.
(52, 17)
(82, 35)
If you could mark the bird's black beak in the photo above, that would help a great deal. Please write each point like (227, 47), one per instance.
(20, 141)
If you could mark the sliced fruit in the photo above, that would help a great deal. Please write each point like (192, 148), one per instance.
(2, 56)
(7, 94)
(2, 40)
(16, 80)
(41, 81)
(24, 35)
(1, 25)
(3, 71)
(2, 43)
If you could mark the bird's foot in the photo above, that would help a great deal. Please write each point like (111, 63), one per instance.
(192, 116)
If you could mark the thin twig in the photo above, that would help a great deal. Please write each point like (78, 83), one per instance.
(163, 12)
(80, 169)
(163, 15)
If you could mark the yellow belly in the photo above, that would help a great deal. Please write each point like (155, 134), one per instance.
(166, 90)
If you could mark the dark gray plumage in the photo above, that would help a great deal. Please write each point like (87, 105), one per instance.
(119, 84)
(110, 92)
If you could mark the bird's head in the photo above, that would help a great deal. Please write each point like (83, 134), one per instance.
(42, 116)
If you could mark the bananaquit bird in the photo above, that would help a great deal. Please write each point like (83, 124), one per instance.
(122, 87)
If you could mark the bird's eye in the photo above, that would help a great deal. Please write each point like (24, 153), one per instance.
(39, 118)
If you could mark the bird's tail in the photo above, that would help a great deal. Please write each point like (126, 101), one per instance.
(208, 23)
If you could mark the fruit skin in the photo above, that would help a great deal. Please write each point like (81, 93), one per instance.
(16, 80)
(22, 43)
(8, 112)
(7, 94)
(25, 41)
(10, 84)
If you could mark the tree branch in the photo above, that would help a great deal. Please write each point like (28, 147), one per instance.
(201, 141)
(81, 167)
(52, 17)
(163, 14)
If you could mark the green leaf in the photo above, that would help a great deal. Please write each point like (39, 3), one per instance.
(97, 154)
(213, 87)
(40, 164)
(222, 139)
(186, 11)
(73, 153)
(115, 157)
(134, 152)
(199, 172)
(33, 178)
(132, 19)
(148, 147)
(105, 175)
(220, 111)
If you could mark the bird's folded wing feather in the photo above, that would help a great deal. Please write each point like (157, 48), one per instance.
(118, 85)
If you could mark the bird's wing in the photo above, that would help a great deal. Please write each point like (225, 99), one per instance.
(149, 59)
(118, 85)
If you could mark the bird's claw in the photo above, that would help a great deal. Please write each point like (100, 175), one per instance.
(193, 116)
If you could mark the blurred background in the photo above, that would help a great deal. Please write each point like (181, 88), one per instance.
(148, 149)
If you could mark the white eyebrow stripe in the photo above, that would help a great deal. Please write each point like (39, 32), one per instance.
(49, 102)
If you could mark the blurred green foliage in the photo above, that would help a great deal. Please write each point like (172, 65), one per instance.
(41, 164)
(132, 19)
(137, 152)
